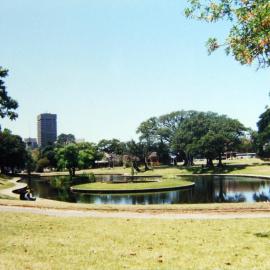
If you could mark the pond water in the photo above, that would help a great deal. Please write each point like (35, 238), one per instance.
(208, 189)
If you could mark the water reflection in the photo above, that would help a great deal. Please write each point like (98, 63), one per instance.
(207, 189)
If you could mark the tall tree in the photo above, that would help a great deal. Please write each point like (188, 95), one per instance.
(88, 154)
(68, 157)
(148, 137)
(111, 146)
(262, 140)
(249, 37)
(13, 154)
(49, 153)
(7, 104)
(208, 135)
(64, 139)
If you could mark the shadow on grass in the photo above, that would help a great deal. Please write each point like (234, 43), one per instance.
(263, 235)
(215, 170)
(199, 169)
(202, 169)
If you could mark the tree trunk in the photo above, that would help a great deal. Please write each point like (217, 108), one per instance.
(188, 160)
(191, 161)
(220, 161)
(146, 168)
(210, 163)
(135, 166)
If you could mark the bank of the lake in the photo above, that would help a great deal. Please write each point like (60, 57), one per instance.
(247, 170)
(5, 183)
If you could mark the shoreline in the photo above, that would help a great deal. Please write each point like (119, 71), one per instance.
(257, 208)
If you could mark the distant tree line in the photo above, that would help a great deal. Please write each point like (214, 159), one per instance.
(184, 135)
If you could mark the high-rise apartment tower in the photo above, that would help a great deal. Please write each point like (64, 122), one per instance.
(46, 128)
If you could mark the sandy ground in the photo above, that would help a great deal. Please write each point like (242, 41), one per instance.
(130, 215)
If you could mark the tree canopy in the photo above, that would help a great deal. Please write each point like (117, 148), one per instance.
(249, 37)
(111, 146)
(68, 157)
(13, 154)
(64, 139)
(7, 104)
(191, 133)
(262, 139)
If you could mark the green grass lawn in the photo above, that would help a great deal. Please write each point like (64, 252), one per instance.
(39, 242)
(236, 166)
(164, 183)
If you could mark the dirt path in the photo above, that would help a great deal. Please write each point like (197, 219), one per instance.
(130, 215)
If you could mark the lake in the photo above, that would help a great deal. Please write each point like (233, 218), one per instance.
(208, 189)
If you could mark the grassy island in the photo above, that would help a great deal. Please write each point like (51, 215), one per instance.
(162, 184)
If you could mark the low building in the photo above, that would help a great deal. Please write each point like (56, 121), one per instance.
(31, 143)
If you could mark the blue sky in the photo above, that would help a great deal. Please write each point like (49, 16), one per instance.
(105, 66)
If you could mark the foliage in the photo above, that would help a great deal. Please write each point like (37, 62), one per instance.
(61, 182)
(262, 139)
(111, 146)
(30, 163)
(191, 133)
(7, 104)
(88, 153)
(247, 144)
(42, 164)
(50, 154)
(155, 136)
(68, 157)
(208, 135)
(13, 154)
(65, 182)
(36, 154)
(64, 139)
(249, 37)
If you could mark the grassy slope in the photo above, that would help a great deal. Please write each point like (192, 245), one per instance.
(165, 183)
(4, 183)
(41, 242)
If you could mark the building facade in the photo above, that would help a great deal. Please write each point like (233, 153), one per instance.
(31, 143)
(47, 129)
